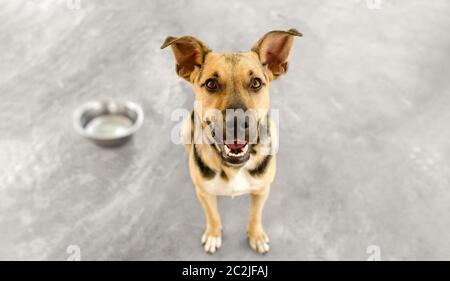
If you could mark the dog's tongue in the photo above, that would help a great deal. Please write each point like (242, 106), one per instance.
(234, 145)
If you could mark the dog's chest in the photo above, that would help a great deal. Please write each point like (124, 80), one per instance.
(238, 184)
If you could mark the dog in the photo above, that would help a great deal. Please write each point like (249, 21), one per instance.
(242, 162)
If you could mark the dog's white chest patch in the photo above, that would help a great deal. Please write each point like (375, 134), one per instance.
(241, 183)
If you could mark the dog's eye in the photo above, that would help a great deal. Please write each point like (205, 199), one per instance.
(256, 84)
(211, 85)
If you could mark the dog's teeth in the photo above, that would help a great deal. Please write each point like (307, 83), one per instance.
(242, 152)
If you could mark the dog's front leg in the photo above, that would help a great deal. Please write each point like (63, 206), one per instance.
(258, 239)
(212, 238)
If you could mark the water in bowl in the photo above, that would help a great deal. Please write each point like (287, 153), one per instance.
(108, 126)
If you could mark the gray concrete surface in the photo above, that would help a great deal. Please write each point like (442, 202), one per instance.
(365, 141)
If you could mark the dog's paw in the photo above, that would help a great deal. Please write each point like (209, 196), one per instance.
(211, 243)
(259, 241)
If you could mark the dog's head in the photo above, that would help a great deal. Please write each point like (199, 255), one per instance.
(232, 88)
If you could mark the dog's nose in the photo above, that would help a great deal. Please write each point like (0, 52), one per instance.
(237, 124)
(236, 128)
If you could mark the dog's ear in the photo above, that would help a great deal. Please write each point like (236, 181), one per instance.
(189, 53)
(273, 50)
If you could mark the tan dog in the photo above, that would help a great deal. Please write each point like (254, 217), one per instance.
(244, 161)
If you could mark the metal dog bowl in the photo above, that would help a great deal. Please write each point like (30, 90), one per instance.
(108, 123)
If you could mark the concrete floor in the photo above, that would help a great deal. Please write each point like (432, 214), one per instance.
(365, 140)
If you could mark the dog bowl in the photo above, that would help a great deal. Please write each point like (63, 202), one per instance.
(108, 123)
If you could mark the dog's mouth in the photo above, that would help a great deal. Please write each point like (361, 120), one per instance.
(235, 152)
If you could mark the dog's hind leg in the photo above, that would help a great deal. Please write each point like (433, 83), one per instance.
(212, 237)
(258, 239)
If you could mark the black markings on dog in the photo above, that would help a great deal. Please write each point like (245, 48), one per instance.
(206, 171)
(214, 146)
(195, 120)
(192, 125)
(252, 149)
(262, 167)
(223, 175)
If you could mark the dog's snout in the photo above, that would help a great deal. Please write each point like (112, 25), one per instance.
(236, 128)
(230, 123)
(237, 123)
